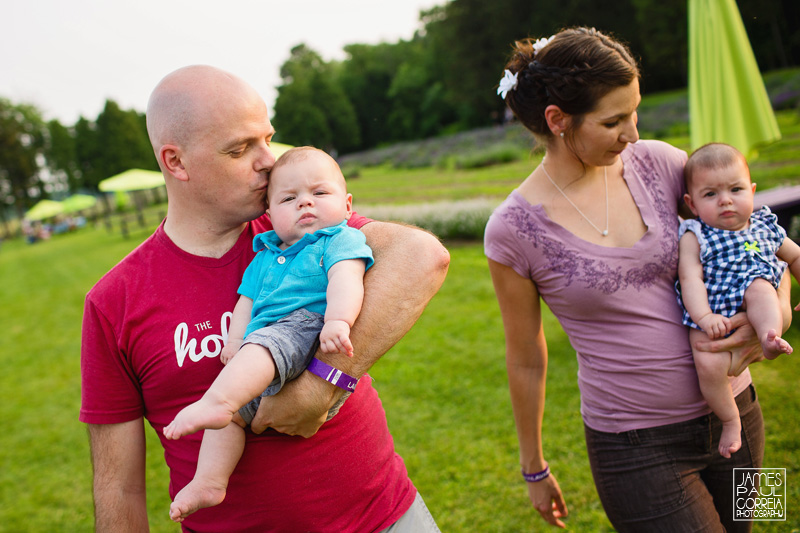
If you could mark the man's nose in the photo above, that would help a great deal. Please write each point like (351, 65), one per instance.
(265, 159)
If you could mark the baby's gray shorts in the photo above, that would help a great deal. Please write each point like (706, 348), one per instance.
(293, 340)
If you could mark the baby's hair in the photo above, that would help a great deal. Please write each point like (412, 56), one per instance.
(711, 156)
(573, 71)
(301, 153)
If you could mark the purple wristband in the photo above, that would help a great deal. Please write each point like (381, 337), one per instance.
(538, 476)
(332, 375)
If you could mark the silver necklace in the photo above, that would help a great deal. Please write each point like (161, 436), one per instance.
(603, 232)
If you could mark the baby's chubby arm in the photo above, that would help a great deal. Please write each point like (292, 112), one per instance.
(693, 289)
(241, 317)
(345, 294)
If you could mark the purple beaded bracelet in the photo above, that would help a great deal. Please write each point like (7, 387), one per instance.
(538, 476)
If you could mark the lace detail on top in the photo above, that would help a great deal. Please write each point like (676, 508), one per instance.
(577, 267)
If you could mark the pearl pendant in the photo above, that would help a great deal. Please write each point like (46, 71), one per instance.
(605, 232)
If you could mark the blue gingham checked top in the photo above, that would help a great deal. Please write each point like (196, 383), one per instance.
(733, 259)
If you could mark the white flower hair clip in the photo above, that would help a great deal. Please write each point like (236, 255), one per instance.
(507, 83)
(541, 43)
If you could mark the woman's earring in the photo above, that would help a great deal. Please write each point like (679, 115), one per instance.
(562, 134)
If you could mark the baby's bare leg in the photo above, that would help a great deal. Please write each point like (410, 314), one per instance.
(244, 378)
(712, 372)
(764, 313)
(219, 453)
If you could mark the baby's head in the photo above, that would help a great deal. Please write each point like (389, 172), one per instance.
(719, 189)
(306, 192)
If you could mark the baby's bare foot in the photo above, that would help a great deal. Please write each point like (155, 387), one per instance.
(194, 496)
(730, 441)
(199, 415)
(773, 346)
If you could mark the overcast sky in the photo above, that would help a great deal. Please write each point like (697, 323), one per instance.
(68, 56)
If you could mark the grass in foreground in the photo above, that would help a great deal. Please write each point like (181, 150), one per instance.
(443, 387)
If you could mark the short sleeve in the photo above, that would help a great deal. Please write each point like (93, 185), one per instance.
(357, 221)
(501, 244)
(770, 219)
(250, 285)
(110, 393)
(347, 244)
(693, 225)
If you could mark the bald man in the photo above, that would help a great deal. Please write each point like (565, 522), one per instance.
(154, 327)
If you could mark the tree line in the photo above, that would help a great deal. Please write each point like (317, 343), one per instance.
(442, 80)
(45, 159)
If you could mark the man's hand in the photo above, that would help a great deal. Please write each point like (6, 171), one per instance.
(300, 408)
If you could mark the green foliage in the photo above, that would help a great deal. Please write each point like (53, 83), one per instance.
(494, 155)
(22, 141)
(444, 79)
(366, 77)
(117, 141)
(62, 155)
(311, 107)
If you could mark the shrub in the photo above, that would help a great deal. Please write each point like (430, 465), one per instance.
(447, 220)
(494, 155)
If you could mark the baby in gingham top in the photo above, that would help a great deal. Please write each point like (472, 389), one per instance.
(731, 260)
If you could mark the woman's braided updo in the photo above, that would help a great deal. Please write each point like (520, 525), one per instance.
(573, 71)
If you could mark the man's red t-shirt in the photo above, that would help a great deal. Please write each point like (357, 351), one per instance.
(153, 330)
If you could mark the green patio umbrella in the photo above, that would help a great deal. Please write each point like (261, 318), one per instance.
(279, 148)
(44, 209)
(132, 180)
(78, 202)
(727, 99)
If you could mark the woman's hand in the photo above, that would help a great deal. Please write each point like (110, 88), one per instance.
(742, 344)
(546, 497)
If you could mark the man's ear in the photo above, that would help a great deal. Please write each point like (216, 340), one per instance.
(170, 158)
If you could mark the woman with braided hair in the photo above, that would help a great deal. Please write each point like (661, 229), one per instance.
(593, 231)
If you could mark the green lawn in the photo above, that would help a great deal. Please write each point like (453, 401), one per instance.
(443, 387)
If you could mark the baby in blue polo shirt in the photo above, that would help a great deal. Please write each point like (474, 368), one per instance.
(305, 284)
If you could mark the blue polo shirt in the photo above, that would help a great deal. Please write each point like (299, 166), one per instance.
(281, 281)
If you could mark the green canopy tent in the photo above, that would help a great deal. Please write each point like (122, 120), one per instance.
(727, 99)
(78, 202)
(278, 149)
(44, 209)
(132, 180)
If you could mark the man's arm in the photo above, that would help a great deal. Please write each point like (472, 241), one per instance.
(118, 462)
(410, 266)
